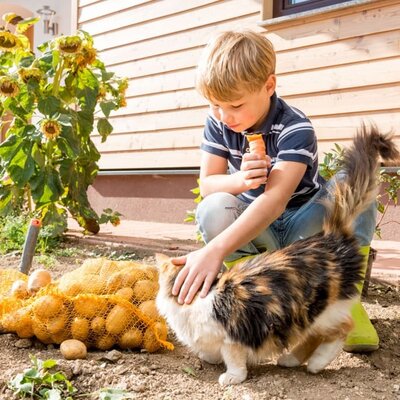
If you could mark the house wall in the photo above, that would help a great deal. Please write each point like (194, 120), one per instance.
(340, 67)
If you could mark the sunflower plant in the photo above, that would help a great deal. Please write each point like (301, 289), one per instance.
(50, 104)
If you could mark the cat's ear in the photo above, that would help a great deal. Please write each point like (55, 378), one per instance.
(161, 259)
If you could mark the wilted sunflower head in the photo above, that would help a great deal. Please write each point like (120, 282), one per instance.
(8, 86)
(115, 221)
(122, 101)
(101, 95)
(27, 74)
(89, 54)
(123, 85)
(69, 44)
(86, 56)
(8, 41)
(51, 128)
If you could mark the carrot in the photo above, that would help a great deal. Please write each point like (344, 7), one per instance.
(257, 145)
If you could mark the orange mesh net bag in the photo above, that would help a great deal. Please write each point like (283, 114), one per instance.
(103, 303)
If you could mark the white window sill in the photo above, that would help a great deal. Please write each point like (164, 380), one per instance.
(312, 13)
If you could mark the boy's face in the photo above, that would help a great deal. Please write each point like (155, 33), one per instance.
(249, 111)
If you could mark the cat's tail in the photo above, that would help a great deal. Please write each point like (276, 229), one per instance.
(357, 188)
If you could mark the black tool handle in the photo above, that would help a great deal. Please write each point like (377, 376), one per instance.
(29, 246)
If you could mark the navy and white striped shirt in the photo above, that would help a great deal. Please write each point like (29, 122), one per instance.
(288, 136)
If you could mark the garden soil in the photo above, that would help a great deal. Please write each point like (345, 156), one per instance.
(178, 374)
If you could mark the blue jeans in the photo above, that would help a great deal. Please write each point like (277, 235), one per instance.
(219, 210)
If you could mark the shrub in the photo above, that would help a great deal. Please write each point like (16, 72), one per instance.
(49, 102)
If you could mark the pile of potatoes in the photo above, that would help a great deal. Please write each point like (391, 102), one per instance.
(102, 304)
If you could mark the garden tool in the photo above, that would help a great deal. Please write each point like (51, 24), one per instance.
(29, 246)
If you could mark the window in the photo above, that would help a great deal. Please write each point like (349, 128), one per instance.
(287, 7)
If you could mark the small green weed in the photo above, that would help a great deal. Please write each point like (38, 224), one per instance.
(12, 233)
(40, 382)
(68, 252)
(13, 230)
(332, 162)
(121, 256)
(48, 261)
(191, 214)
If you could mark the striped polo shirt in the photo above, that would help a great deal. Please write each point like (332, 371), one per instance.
(288, 136)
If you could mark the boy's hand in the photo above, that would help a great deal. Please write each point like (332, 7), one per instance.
(200, 269)
(254, 170)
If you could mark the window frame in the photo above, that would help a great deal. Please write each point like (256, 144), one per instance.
(283, 7)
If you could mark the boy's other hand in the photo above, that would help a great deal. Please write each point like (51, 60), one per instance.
(199, 271)
(254, 170)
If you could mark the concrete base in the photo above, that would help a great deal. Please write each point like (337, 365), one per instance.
(158, 198)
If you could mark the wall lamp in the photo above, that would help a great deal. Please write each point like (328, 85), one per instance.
(47, 15)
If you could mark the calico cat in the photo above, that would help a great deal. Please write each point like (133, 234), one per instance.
(297, 298)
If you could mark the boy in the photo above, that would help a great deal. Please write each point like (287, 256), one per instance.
(261, 204)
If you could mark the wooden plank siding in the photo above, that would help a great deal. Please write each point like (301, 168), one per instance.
(339, 68)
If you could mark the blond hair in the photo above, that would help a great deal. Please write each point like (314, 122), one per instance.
(233, 62)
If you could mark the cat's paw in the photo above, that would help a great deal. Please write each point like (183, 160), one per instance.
(315, 366)
(227, 378)
(324, 355)
(288, 360)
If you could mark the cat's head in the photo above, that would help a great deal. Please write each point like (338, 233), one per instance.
(167, 271)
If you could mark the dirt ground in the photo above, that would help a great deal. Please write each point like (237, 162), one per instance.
(170, 375)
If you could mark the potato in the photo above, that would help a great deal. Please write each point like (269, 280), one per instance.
(108, 268)
(19, 289)
(60, 337)
(71, 287)
(57, 324)
(94, 284)
(80, 328)
(40, 331)
(145, 290)
(37, 280)
(126, 293)
(122, 279)
(98, 325)
(73, 349)
(131, 338)
(128, 264)
(149, 309)
(151, 344)
(117, 320)
(92, 266)
(47, 306)
(151, 272)
(9, 322)
(25, 332)
(105, 342)
(88, 306)
(23, 323)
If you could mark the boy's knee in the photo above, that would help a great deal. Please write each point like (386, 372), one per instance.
(214, 204)
(365, 224)
(216, 212)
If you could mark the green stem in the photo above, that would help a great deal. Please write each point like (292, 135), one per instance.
(29, 198)
(382, 216)
(57, 78)
(49, 152)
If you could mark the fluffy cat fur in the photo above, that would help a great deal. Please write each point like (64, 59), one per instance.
(297, 298)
